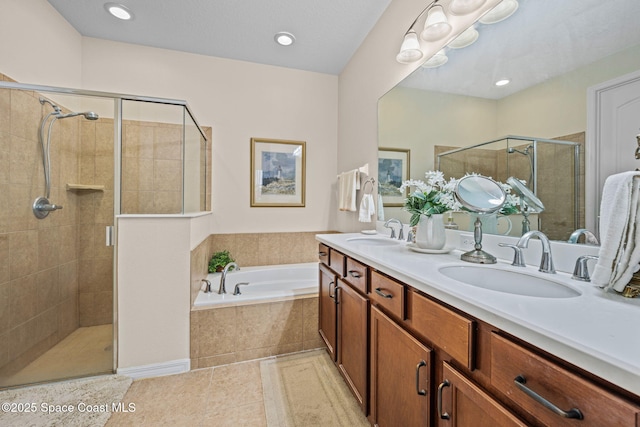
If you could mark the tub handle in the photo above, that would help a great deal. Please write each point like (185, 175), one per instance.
(207, 286)
(382, 294)
(236, 289)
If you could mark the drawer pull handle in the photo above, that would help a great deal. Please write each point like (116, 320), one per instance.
(520, 382)
(421, 392)
(322, 253)
(382, 294)
(355, 274)
(443, 384)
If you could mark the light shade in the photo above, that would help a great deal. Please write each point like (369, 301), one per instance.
(466, 38)
(436, 26)
(410, 49)
(119, 11)
(502, 11)
(437, 60)
(463, 7)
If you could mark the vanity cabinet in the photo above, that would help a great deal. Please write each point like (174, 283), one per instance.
(461, 403)
(400, 377)
(327, 322)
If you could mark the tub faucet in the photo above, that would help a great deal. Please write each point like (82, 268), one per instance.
(223, 277)
(589, 237)
(393, 231)
(546, 262)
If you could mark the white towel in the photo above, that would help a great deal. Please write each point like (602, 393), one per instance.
(347, 184)
(367, 208)
(380, 208)
(619, 253)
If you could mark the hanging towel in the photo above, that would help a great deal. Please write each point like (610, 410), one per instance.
(619, 253)
(380, 208)
(347, 184)
(367, 208)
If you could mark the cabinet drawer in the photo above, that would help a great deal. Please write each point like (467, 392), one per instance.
(526, 379)
(388, 294)
(357, 275)
(323, 253)
(446, 329)
(337, 262)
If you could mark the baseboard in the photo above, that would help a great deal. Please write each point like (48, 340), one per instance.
(157, 369)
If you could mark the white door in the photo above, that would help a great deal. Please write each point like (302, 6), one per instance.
(613, 122)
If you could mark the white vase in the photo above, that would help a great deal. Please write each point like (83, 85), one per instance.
(430, 233)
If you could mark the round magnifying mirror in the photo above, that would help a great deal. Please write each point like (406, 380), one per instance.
(483, 195)
(480, 194)
(534, 205)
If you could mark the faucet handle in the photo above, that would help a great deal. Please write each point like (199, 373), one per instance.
(206, 286)
(580, 271)
(401, 233)
(236, 289)
(518, 257)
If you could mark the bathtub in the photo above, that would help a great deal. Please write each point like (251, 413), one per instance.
(266, 283)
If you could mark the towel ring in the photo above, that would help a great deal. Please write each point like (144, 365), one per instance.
(368, 181)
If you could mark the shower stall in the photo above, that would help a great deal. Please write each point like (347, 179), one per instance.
(71, 161)
(552, 169)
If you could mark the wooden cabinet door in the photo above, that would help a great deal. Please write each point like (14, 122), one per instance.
(353, 311)
(461, 403)
(327, 310)
(400, 375)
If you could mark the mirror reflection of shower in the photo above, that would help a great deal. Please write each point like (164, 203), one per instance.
(41, 206)
(528, 151)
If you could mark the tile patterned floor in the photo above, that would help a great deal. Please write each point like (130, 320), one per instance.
(229, 395)
(86, 351)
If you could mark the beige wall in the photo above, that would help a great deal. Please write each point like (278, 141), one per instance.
(38, 46)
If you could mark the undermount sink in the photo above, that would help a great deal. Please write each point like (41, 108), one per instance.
(374, 241)
(509, 281)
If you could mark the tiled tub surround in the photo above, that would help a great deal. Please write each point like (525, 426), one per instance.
(232, 334)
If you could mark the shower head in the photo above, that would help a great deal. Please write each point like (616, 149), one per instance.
(89, 115)
(54, 106)
(512, 150)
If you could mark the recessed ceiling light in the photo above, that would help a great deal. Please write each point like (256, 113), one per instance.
(119, 11)
(284, 39)
(503, 82)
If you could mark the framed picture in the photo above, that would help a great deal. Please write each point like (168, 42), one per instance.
(277, 173)
(393, 169)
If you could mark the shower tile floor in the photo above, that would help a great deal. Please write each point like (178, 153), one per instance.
(86, 351)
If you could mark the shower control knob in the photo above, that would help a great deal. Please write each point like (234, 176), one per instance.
(42, 207)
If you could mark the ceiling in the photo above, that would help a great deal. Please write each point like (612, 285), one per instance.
(543, 39)
(327, 32)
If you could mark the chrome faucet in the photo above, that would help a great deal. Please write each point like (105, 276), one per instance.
(589, 237)
(546, 262)
(393, 231)
(222, 289)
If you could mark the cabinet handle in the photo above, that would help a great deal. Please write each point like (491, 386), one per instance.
(382, 294)
(332, 295)
(321, 253)
(443, 384)
(520, 382)
(355, 274)
(421, 392)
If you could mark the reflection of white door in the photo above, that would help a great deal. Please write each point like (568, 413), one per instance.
(613, 121)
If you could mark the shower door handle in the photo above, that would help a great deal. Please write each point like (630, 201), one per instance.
(109, 235)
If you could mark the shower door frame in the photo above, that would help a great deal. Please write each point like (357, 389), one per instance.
(112, 232)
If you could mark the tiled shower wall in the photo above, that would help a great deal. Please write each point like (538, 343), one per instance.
(38, 258)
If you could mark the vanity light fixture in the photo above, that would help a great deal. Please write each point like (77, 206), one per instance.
(437, 25)
(462, 7)
(502, 11)
(410, 49)
(502, 82)
(437, 60)
(284, 38)
(468, 37)
(119, 11)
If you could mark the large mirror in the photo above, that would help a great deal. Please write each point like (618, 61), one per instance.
(551, 52)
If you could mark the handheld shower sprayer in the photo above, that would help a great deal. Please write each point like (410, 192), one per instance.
(41, 206)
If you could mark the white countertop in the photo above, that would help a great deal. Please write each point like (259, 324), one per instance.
(596, 331)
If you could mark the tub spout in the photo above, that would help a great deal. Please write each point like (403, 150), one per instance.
(222, 289)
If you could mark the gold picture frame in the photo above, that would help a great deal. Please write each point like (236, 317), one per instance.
(277, 173)
(393, 170)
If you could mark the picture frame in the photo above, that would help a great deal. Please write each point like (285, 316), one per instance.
(277, 173)
(393, 170)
